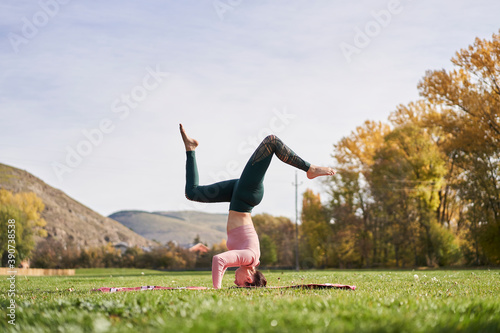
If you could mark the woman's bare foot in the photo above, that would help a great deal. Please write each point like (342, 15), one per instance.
(190, 143)
(316, 171)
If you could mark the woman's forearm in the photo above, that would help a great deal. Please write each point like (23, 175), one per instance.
(218, 269)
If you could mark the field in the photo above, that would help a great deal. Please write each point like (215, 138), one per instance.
(385, 301)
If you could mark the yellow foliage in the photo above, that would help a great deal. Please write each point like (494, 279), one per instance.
(469, 95)
(29, 203)
(358, 149)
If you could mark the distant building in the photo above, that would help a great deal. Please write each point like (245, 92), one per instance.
(25, 263)
(199, 248)
(146, 248)
(122, 246)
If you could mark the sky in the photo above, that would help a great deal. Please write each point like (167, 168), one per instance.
(92, 92)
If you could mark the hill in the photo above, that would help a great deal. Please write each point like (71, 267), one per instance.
(67, 219)
(179, 226)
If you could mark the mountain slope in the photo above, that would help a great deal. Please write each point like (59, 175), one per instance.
(67, 219)
(181, 227)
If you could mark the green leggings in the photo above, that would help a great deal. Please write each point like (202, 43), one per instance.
(246, 192)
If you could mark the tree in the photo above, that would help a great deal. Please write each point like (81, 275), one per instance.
(407, 176)
(467, 104)
(351, 205)
(281, 233)
(268, 253)
(351, 238)
(428, 189)
(30, 204)
(132, 256)
(25, 209)
(315, 231)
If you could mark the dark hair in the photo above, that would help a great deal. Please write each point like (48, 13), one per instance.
(259, 280)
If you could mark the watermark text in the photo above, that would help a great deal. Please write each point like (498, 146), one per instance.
(365, 35)
(11, 264)
(121, 106)
(31, 26)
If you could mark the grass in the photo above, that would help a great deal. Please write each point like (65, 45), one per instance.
(385, 301)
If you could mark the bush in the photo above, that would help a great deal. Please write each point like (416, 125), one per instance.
(446, 249)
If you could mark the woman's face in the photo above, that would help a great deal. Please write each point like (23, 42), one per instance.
(243, 275)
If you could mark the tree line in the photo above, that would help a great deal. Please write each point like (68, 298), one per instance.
(276, 233)
(31, 243)
(424, 188)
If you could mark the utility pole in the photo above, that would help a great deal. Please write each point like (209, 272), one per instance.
(296, 184)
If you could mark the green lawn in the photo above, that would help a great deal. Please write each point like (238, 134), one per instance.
(385, 301)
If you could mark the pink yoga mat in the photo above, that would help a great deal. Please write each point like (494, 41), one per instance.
(113, 290)
(300, 286)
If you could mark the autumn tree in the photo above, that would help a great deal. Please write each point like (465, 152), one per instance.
(25, 208)
(467, 108)
(423, 115)
(427, 190)
(358, 228)
(281, 238)
(408, 176)
(48, 254)
(315, 230)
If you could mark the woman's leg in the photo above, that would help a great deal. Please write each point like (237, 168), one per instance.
(249, 190)
(218, 192)
(272, 144)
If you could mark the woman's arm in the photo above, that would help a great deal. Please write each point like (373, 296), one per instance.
(234, 258)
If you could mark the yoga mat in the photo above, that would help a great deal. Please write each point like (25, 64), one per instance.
(300, 286)
(313, 286)
(113, 290)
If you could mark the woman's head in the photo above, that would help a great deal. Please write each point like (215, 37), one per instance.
(249, 277)
(259, 280)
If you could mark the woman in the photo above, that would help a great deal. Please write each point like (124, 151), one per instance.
(243, 194)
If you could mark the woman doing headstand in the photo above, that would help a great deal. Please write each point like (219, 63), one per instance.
(243, 194)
